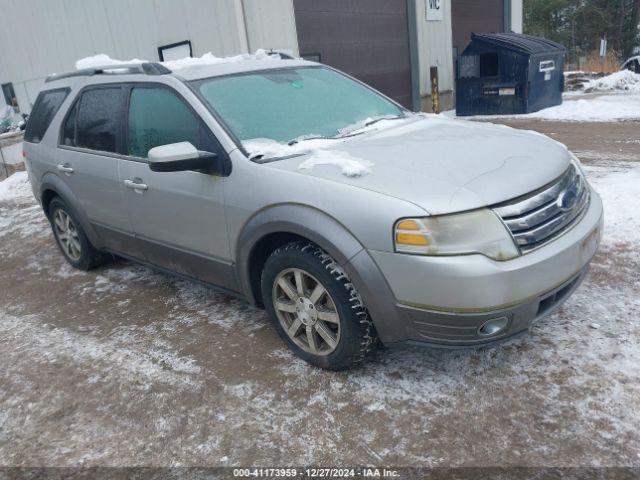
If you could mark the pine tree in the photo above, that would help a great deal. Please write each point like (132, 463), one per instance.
(580, 24)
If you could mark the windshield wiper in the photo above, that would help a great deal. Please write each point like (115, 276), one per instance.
(323, 137)
(379, 119)
(356, 130)
(348, 133)
(312, 137)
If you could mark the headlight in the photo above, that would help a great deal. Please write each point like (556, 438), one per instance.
(478, 231)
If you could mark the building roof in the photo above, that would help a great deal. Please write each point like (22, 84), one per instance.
(519, 42)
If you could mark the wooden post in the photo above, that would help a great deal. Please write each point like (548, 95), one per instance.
(435, 95)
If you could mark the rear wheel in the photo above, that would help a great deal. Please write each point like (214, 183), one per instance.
(71, 239)
(315, 307)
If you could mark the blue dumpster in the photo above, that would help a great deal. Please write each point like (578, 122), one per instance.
(506, 73)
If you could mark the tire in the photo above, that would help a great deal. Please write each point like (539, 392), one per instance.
(328, 306)
(71, 239)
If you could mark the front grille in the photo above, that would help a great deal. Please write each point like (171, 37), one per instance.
(541, 216)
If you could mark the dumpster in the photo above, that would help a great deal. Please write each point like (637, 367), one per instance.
(507, 73)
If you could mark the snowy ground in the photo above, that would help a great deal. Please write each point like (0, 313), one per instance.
(579, 107)
(613, 98)
(125, 366)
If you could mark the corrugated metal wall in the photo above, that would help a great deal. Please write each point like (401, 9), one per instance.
(434, 47)
(38, 37)
(517, 16)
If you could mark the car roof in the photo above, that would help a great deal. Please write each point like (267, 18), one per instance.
(185, 70)
(197, 72)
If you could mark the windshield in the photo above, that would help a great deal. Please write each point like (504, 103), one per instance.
(288, 104)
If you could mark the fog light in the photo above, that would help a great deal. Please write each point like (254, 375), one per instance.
(493, 326)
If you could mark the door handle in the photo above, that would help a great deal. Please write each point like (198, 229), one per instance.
(65, 168)
(135, 184)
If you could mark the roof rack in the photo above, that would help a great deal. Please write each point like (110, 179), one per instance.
(283, 56)
(147, 68)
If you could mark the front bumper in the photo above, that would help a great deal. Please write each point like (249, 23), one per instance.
(444, 300)
(459, 330)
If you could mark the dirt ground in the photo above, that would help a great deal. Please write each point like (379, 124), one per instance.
(590, 141)
(124, 366)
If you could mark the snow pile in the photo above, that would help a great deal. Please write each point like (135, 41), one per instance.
(606, 108)
(15, 187)
(349, 165)
(603, 108)
(10, 121)
(623, 81)
(103, 60)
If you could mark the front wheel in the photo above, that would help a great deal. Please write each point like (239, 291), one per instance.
(315, 307)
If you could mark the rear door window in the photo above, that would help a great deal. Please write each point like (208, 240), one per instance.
(46, 106)
(98, 120)
(157, 116)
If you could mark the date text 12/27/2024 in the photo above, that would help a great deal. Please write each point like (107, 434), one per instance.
(315, 473)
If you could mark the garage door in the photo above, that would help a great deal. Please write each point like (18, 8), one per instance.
(474, 16)
(368, 39)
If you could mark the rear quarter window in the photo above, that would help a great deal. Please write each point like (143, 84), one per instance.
(46, 106)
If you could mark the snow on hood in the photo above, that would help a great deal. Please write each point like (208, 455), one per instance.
(439, 164)
(319, 150)
(103, 60)
(268, 148)
(348, 164)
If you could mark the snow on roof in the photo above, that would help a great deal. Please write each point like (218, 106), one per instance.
(102, 60)
(199, 67)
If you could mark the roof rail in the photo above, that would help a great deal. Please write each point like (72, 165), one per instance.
(283, 56)
(147, 68)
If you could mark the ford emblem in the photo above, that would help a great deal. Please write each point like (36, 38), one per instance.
(567, 200)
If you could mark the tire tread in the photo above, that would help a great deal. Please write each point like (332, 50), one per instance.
(368, 338)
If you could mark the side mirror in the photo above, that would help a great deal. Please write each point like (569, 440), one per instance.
(180, 157)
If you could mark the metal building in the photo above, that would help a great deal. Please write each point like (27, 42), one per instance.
(390, 44)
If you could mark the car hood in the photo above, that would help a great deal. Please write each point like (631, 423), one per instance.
(440, 164)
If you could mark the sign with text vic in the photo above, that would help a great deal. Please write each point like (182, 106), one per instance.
(434, 10)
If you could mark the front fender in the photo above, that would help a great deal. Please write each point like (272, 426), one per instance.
(337, 241)
(301, 220)
(53, 183)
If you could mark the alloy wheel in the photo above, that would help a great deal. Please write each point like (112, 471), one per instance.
(67, 235)
(306, 311)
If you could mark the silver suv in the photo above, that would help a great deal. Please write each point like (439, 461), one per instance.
(347, 217)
